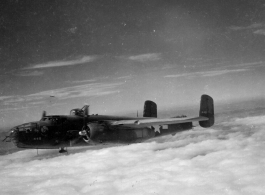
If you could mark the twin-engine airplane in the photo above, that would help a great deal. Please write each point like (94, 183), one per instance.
(81, 129)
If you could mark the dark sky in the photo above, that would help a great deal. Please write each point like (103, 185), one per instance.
(115, 54)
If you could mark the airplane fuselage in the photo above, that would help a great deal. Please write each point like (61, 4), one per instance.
(64, 131)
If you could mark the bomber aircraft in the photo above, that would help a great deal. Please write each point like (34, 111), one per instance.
(81, 129)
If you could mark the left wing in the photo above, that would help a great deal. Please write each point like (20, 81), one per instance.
(155, 121)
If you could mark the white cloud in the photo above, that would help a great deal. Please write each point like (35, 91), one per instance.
(260, 32)
(84, 59)
(220, 161)
(220, 72)
(205, 73)
(179, 75)
(5, 97)
(250, 64)
(85, 90)
(82, 81)
(14, 100)
(247, 121)
(12, 109)
(247, 66)
(259, 28)
(72, 30)
(29, 73)
(252, 26)
(146, 57)
(125, 77)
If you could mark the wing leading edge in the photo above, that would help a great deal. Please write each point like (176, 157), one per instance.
(155, 121)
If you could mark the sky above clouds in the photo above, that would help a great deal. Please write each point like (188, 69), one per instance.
(113, 55)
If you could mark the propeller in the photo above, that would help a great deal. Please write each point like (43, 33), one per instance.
(85, 129)
(89, 130)
(84, 133)
(92, 130)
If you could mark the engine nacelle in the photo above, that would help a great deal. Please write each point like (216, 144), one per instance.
(92, 130)
(95, 129)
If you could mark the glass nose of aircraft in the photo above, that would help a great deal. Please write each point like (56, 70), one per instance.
(13, 135)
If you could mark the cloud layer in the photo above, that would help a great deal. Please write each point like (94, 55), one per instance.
(209, 73)
(225, 159)
(84, 59)
(257, 27)
(252, 26)
(144, 57)
(77, 91)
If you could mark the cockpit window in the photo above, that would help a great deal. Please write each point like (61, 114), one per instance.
(55, 120)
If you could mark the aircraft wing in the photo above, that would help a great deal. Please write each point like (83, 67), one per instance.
(156, 121)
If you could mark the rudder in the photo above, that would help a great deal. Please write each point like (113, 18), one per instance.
(150, 109)
(207, 110)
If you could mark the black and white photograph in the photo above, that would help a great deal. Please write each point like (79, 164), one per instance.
(119, 97)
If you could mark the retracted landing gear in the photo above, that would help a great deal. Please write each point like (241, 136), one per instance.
(63, 150)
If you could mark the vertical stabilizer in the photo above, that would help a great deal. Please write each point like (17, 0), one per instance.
(86, 110)
(207, 110)
(43, 114)
(150, 109)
